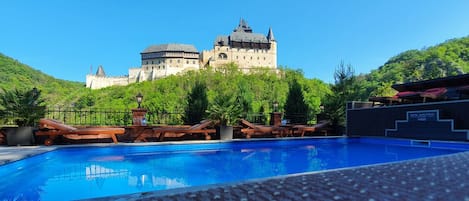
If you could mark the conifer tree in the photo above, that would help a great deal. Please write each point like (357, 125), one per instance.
(197, 104)
(296, 109)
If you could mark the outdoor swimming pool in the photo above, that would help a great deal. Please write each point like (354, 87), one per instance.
(87, 172)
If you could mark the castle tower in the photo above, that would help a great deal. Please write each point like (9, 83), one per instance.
(243, 47)
(273, 46)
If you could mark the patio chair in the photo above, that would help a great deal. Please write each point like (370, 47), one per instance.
(410, 96)
(385, 100)
(302, 129)
(54, 128)
(434, 94)
(252, 129)
(200, 128)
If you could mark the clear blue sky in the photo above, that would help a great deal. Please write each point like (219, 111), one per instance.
(64, 38)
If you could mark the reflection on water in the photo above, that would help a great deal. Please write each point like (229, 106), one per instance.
(95, 172)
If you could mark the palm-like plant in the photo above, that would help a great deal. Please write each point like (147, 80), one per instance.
(23, 107)
(225, 110)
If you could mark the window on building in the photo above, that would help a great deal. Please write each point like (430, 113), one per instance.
(179, 61)
(222, 56)
(193, 62)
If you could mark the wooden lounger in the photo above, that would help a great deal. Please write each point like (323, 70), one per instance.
(302, 129)
(253, 129)
(53, 128)
(200, 128)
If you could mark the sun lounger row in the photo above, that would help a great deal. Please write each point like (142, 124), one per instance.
(52, 129)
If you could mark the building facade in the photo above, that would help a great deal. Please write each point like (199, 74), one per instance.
(162, 60)
(243, 47)
(157, 61)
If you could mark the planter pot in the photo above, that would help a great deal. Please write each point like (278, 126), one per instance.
(225, 132)
(20, 136)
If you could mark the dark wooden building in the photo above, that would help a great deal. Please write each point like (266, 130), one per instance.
(435, 109)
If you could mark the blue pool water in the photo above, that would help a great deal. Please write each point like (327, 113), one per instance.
(87, 172)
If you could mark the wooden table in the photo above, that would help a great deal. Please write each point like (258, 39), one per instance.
(141, 133)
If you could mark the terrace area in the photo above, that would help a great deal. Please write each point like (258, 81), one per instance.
(435, 109)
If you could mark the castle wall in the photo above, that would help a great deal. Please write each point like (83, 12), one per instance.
(98, 82)
(245, 58)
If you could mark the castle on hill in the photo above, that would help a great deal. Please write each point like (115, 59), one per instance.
(243, 47)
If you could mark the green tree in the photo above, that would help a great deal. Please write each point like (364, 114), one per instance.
(197, 103)
(344, 89)
(296, 109)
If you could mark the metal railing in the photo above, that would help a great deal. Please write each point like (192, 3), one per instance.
(113, 117)
(91, 117)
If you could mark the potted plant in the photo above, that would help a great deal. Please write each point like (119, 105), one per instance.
(225, 112)
(23, 108)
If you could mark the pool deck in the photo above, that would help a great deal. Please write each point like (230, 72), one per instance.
(434, 178)
(10, 154)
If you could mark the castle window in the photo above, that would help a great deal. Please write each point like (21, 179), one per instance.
(151, 62)
(187, 61)
(222, 56)
(251, 58)
(193, 62)
(179, 61)
(244, 57)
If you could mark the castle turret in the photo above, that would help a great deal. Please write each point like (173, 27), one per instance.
(243, 27)
(100, 72)
(270, 35)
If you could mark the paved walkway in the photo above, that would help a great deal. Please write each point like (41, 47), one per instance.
(11, 153)
(436, 178)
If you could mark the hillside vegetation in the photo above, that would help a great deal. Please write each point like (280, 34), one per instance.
(446, 59)
(15, 75)
(258, 90)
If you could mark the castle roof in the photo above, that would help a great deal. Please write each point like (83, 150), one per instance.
(100, 72)
(170, 48)
(270, 35)
(243, 33)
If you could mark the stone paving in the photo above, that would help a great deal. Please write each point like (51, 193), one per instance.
(435, 178)
(12, 153)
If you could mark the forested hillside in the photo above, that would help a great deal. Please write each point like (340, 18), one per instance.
(446, 59)
(15, 75)
(258, 90)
